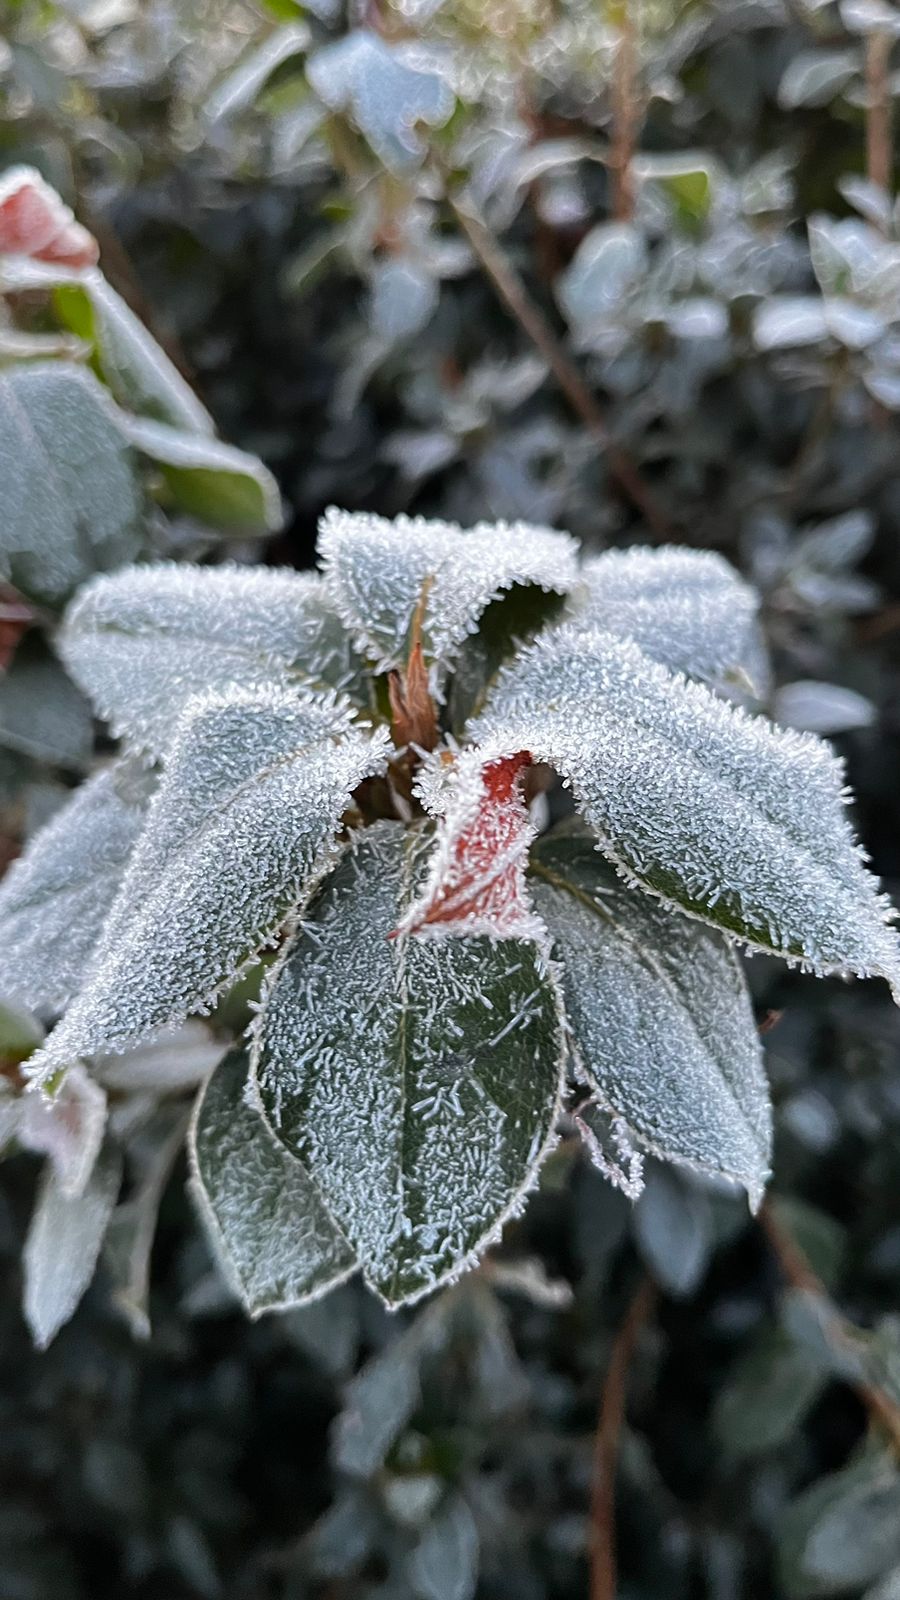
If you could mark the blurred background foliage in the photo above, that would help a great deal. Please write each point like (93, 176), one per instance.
(630, 268)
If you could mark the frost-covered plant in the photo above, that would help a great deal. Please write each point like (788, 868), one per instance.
(500, 818)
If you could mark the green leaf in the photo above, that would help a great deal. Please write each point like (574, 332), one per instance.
(717, 813)
(844, 1531)
(673, 1228)
(215, 482)
(767, 1396)
(20, 1034)
(417, 1079)
(55, 898)
(660, 1018)
(63, 1244)
(686, 178)
(142, 642)
(269, 1229)
(444, 1564)
(136, 369)
(241, 825)
(72, 504)
(385, 89)
(687, 609)
(42, 714)
(240, 88)
(382, 575)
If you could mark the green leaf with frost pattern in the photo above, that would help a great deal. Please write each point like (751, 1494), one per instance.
(687, 609)
(72, 503)
(661, 1022)
(55, 898)
(382, 575)
(242, 823)
(269, 1229)
(141, 642)
(717, 813)
(418, 1080)
(63, 1244)
(224, 487)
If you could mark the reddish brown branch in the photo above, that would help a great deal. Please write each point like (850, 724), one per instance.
(625, 112)
(879, 155)
(798, 1272)
(606, 1444)
(534, 324)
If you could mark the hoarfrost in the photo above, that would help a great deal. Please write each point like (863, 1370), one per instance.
(243, 820)
(55, 898)
(715, 812)
(660, 1019)
(381, 573)
(476, 878)
(687, 609)
(142, 642)
(69, 1129)
(63, 1244)
(417, 1080)
(271, 1233)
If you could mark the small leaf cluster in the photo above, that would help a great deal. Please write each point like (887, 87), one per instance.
(298, 775)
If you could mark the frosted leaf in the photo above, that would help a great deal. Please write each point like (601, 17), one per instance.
(608, 1141)
(42, 714)
(128, 1244)
(476, 877)
(242, 822)
(143, 641)
(268, 1227)
(417, 1080)
(63, 1244)
(174, 1061)
(822, 707)
(688, 609)
(136, 369)
(379, 573)
(215, 482)
(55, 898)
(34, 221)
(68, 1129)
(238, 90)
(444, 1564)
(20, 1033)
(661, 1023)
(716, 812)
(71, 502)
(387, 90)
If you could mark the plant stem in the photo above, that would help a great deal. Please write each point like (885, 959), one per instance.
(624, 117)
(879, 156)
(606, 1444)
(799, 1274)
(531, 319)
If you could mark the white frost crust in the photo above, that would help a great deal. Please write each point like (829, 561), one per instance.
(376, 572)
(722, 815)
(241, 827)
(688, 609)
(142, 642)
